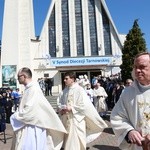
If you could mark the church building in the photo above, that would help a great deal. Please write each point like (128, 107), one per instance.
(77, 35)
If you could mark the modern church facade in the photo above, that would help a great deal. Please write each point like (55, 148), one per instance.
(77, 35)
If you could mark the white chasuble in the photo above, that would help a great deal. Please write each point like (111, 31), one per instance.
(36, 117)
(82, 121)
(132, 111)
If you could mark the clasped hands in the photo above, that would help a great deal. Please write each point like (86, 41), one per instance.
(135, 137)
(65, 110)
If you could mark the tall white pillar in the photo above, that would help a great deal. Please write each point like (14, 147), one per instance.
(18, 30)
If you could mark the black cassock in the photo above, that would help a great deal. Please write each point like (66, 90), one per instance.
(2, 119)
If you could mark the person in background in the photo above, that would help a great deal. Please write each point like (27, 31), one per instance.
(109, 91)
(89, 92)
(9, 105)
(16, 98)
(130, 118)
(117, 90)
(42, 85)
(3, 103)
(99, 96)
(36, 125)
(128, 82)
(85, 81)
(78, 115)
(49, 84)
(94, 81)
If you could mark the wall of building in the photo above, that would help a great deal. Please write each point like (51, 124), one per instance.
(18, 30)
(86, 23)
(116, 45)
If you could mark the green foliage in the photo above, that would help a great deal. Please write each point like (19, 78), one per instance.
(134, 44)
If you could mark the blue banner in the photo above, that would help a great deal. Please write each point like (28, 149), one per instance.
(80, 61)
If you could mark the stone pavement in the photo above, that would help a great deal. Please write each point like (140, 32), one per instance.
(8, 133)
(106, 141)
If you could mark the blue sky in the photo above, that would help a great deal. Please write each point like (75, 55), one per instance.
(123, 14)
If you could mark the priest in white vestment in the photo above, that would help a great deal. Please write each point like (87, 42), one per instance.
(78, 115)
(36, 125)
(99, 98)
(130, 118)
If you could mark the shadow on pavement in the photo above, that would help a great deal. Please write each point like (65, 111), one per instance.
(106, 147)
(4, 139)
(108, 130)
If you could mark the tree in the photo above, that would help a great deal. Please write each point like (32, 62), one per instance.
(134, 44)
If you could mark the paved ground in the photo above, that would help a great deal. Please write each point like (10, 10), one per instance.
(106, 140)
(8, 133)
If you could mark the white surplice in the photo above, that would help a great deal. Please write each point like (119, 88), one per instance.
(99, 96)
(83, 121)
(36, 125)
(130, 113)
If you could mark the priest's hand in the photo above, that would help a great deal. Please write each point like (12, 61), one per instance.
(65, 110)
(135, 137)
(146, 143)
(68, 108)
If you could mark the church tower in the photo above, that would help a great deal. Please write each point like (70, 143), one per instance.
(18, 30)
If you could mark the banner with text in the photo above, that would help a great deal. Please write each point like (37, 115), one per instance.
(78, 61)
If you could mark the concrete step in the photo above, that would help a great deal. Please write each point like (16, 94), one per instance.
(53, 101)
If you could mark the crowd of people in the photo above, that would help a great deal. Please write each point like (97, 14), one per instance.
(9, 102)
(46, 85)
(81, 106)
(10, 99)
(104, 92)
